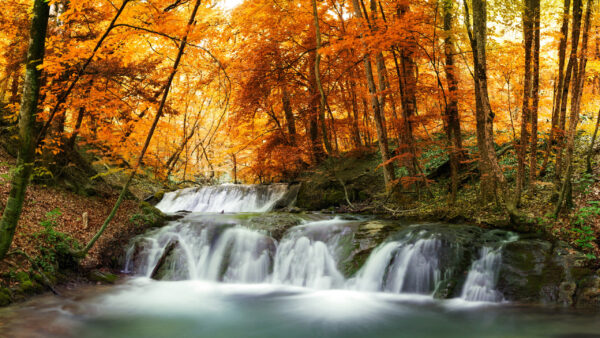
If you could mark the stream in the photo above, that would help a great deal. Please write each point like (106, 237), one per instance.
(231, 268)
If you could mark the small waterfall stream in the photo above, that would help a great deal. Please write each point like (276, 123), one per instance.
(403, 266)
(219, 248)
(224, 198)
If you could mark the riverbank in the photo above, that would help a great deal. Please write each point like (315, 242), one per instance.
(55, 220)
(353, 183)
(55, 216)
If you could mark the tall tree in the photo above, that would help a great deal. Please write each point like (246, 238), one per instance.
(27, 117)
(491, 174)
(527, 96)
(560, 83)
(322, 98)
(453, 130)
(535, 94)
(579, 67)
(159, 113)
(388, 166)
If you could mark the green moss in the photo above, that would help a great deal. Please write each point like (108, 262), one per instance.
(22, 277)
(159, 195)
(5, 297)
(102, 277)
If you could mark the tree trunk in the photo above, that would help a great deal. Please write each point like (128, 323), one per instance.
(492, 175)
(317, 150)
(159, 112)
(570, 73)
(27, 116)
(578, 81)
(527, 93)
(590, 153)
(535, 95)
(558, 89)
(388, 167)
(289, 115)
(322, 102)
(451, 112)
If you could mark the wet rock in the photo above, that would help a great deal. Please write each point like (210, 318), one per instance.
(167, 267)
(566, 291)
(588, 293)
(289, 198)
(102, 277)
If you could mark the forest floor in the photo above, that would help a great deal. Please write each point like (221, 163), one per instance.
(53, 221)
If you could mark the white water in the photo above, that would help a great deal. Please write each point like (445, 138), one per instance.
(224, 198)
(217, 248)
(307, 256)
(235, 255)
(402, 267)
(480, 285)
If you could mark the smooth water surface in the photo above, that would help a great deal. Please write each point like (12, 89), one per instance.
(141, 307)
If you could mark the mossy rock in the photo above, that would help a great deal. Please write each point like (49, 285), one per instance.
(102, 277)
(529, 272)
(150, 216)
(322, 188)
(5, 297)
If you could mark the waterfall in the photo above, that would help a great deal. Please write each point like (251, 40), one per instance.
(480, 284)
(404, 266)
(307, 255)
(225, 198)
(424, 259)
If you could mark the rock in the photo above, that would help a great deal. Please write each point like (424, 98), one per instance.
(588, 293)
(155, 198)
(102, 277)
(566, 291)
(323, 189)
(288, 200)
(165, 267)
(522, 270)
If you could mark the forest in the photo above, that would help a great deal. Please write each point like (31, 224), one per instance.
(480, 115)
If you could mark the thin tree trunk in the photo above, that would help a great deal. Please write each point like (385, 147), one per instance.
(289, 115)
(527, 92)
(388, 167)
(322, 101)
(451, 111)
(485, 139)
(590, 153)
(159, 112)
(317, 150)
(558, 89)
(570, 73)
(535, 94)
(578, 81)
(27, 116)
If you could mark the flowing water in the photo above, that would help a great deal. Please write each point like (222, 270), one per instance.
(213, 273)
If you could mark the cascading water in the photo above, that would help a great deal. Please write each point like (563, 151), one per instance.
(480, 285)
(224, 198)
(214, 247)
(404, 266)
(307, 255)
(197, 247)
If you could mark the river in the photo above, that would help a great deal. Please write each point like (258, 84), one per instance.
(222, 271)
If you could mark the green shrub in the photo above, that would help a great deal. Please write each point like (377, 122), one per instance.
(55, 247)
